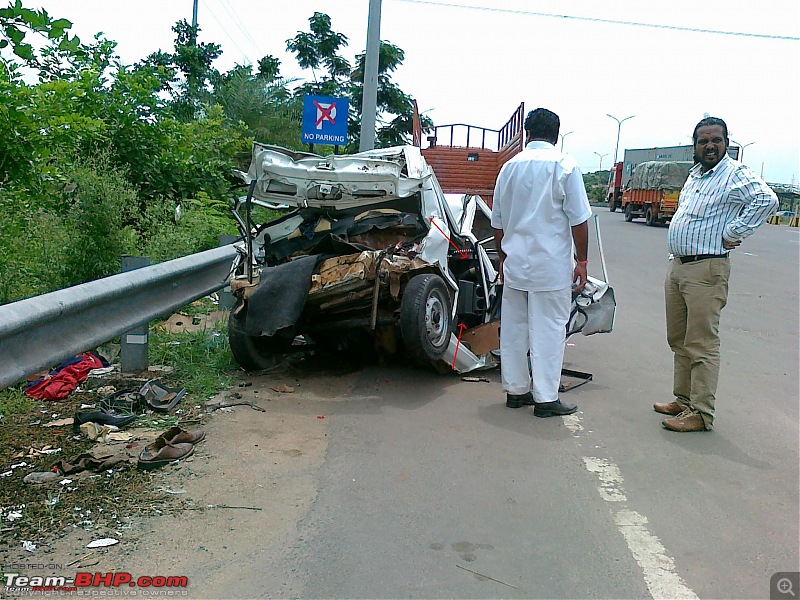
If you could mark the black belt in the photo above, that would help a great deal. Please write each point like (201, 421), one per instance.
(694, 257)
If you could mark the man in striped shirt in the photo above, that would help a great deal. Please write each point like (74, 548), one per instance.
(721, 203)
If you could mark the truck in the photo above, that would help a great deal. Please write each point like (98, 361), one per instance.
(614, 192)
(653, 190)
(622, 172)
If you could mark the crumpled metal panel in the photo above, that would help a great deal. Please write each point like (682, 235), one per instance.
(338, 182)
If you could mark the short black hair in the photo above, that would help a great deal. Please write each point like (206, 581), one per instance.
(708, 122)
(543, 124)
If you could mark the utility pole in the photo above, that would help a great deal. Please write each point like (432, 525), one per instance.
(194, 14)
(369, 102)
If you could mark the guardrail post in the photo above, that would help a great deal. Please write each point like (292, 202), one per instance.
(133, 345)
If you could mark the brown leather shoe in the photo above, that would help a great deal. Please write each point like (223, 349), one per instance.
(688, 420)
(668, 408)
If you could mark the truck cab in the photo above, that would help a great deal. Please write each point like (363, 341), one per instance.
(614, 192)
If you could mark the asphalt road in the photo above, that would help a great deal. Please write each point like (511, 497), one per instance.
(432, 488)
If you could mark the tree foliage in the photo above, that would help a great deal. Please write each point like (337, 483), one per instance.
(95, 155)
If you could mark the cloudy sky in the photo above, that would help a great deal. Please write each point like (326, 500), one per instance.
(475, 61)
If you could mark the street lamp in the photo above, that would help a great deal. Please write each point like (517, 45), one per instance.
(563, 135)
(741, 149)
(601, 159)
(619, 127)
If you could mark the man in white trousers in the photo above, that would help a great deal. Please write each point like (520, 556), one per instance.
(539, 211)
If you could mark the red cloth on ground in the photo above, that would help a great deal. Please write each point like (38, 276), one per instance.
(58, 385)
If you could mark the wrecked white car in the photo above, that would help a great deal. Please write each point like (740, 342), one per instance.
(373, 259)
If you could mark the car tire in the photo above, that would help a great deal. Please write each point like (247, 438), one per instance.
(612, 205)
(629, 212)
(254, 353)
(425, 323)
(649, 218)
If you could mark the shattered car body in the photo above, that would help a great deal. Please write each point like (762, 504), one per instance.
(373, 257)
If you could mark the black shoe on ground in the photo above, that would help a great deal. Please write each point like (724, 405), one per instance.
(518, 400)
(553, 409)
(100, 417)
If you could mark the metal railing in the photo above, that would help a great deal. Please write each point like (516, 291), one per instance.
(42, 331)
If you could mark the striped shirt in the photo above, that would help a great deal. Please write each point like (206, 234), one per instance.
(728, 201)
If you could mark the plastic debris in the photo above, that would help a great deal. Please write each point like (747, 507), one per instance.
(102, 543)
(28, 545)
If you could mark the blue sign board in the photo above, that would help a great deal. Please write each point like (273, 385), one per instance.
(325, 120)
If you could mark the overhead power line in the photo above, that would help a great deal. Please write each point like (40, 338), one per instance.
(607, 21)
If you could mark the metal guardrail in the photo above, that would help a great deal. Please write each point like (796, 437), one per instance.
(42, 331)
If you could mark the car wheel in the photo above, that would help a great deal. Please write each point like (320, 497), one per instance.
(254, 353)
(649, 218)
(629, 212)
(425, 317)
(612, 206)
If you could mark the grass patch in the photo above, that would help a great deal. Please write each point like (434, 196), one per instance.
(102, 502)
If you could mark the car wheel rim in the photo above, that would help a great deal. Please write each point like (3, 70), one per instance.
(435, 319)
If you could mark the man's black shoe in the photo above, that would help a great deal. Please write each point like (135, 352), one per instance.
(553, 409)
(518, 400)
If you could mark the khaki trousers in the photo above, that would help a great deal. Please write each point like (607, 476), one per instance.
(695, 295)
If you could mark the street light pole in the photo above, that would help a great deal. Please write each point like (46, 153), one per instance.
(601, 159)
(619, 127)
(563, 135)
(741, 149)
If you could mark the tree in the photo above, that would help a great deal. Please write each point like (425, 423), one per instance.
(188, 71)
(16, 22)
(262, 102)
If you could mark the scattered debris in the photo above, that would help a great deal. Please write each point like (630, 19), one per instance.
(227, 506)
(102, 543)
(77, 560)
(59, 423)
(28, 545)
(487, 577)
(482, 379)
(41, 477)
(231, 404)
(284, 389)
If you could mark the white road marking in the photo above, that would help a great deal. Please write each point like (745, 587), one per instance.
(648, 551)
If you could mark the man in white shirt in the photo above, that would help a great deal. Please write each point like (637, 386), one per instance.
(539, 210)
(721, 203)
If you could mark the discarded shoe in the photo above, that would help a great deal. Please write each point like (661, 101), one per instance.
(162, 452)
(176, 435)
(100, 417)
(159, 397)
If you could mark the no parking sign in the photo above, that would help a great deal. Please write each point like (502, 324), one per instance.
(325, 120)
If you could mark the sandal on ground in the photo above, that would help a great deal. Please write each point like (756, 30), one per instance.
(159, 397)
